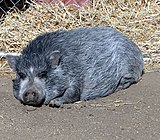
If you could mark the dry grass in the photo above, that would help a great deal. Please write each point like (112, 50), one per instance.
(138, 19)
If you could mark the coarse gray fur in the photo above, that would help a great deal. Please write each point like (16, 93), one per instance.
(81, 64)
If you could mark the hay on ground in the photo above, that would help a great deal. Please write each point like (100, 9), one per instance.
(139, 20)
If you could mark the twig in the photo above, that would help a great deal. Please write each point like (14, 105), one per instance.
(3, 54)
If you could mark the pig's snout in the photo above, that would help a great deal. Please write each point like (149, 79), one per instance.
(31, 96)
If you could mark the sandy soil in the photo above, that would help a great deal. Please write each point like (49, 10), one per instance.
(131, 114)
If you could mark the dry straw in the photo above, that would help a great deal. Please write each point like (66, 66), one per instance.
(138, 19)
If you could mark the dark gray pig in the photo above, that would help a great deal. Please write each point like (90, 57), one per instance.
(81, 64)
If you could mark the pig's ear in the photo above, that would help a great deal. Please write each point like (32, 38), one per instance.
(54, 57)
(12, 60)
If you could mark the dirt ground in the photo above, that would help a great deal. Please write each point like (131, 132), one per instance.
(131, 114)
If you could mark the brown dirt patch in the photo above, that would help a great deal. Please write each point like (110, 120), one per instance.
(129, 114)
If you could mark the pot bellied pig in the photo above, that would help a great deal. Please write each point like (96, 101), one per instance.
(81, 64)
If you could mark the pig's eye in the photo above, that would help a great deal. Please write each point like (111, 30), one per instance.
(22, 75)
(43, 74)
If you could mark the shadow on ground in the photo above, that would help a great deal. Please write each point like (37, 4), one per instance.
(131, 114)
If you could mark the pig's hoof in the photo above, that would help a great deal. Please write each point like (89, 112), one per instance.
(56, 103)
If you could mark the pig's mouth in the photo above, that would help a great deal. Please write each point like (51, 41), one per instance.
(33, 103)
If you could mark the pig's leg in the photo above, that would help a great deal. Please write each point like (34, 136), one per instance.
(127, 80)
(71, 95)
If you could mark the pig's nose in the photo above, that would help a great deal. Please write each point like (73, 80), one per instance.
(30, 96)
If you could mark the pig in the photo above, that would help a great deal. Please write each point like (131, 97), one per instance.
(63, 67)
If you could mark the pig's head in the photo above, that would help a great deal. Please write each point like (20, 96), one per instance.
(32, 72)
